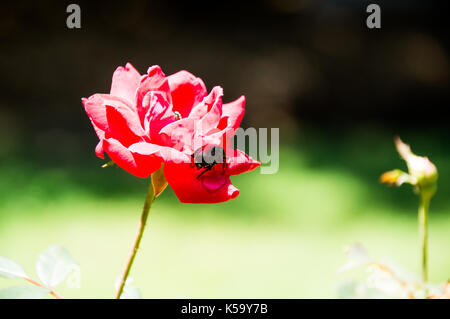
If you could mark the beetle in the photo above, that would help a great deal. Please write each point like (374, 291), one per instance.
(207, 157)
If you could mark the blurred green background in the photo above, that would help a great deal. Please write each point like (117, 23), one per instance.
(338, 93)
(283, 237)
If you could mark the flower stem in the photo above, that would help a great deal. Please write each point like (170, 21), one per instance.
(148, 203)
(423, 225)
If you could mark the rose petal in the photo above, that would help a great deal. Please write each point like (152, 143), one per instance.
(154, 80)
(213, 182)
(187, 90)
(200, 110)
(136, 164)
(233, 113)
(168, 154)
(180, 134)
(208, 123)
(206, 189)
(95, 107)
(158, 116)
(190, 133)
(125, 82)
(123, 125)
(238, 162)
(99, 149)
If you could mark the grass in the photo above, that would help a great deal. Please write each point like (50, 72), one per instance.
(281, 238)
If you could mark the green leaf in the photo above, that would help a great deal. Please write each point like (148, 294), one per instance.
(11, 269)
(23, 292)
(54, 265)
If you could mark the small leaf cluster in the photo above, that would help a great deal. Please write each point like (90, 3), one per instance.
(52, 268)
(384, 280)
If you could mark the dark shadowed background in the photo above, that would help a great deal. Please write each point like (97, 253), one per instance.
(337, 90)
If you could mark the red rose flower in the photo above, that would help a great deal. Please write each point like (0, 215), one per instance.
(134, 111)
(147, 120)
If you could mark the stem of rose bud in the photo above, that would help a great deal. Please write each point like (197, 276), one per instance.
(145, 212)
(423, 230)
